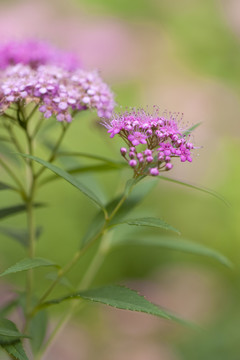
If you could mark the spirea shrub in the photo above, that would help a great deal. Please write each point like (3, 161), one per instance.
(41, 84)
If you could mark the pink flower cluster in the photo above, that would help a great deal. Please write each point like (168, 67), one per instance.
(55, 89)
(35, 53)
(152, 140)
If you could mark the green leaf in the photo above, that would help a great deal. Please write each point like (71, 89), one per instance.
(177, 244)
(13, 210)
(148, 221)
(93, 157)
(68, 178)
(37, 329)
(82, 170)
(20, 235)
(27, 264)
(119, 297)
(196, 187)
(137, 195)
(190, 130)
(9, 332)
(15, 351)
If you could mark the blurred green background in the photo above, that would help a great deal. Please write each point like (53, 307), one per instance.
(183, 56)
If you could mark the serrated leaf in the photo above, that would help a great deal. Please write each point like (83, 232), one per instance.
(137, 195)
(190, 130)
(27, 264)
(20, 235)
(119, 297)
(177, 244)
(148, 221)
(15, 351)
(89, 193)
(9, 332)
(13, 210)
(37, 329)
(196, 187)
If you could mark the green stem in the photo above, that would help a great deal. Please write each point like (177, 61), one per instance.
(55, 149)
(67, 268)
(38, 126)
(14, 177)
(60, 326)
(31, 252)
(31, 230)
(96, 262)
(13, 137)
(12, 118)
(117, 207)
(32, 113)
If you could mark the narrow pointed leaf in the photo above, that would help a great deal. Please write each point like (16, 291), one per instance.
(177, 244)
(13, 210)
(20, 235)
(83, 169)
(93, 157)
(118, 297)
(196, 187)
(9, 332)
(148, 221)
(37, 329)
(191, 129)
(27, 264)
(89, 193)
(15, 351)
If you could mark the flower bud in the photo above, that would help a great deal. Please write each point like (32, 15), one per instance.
(154, 171)
(123, 151)
(133, 163)
(169, 166)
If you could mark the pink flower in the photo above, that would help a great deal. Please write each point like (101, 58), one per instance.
(47, 77)
(161, 135)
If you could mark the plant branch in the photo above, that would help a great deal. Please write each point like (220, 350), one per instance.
(13, 137)
(55, 149)
(14, 177)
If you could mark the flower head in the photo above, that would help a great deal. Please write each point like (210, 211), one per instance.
(56, 91)
(153, 140)
(33, 71)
